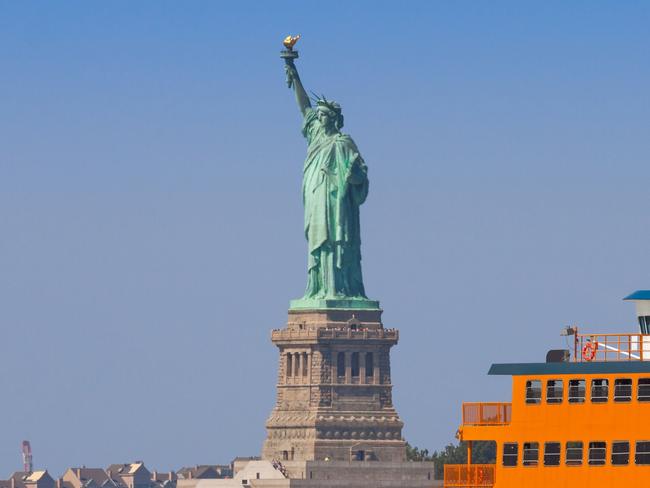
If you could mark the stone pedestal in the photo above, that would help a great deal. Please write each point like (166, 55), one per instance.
(334, 391)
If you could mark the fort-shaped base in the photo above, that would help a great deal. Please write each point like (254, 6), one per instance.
(334, 389)
(334, 303)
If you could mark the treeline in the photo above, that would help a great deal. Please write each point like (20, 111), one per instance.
(483, 452)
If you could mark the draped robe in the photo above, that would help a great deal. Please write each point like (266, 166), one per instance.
(334, 185)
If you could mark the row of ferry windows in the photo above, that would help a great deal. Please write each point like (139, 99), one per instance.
(622, 390)
(574, 453)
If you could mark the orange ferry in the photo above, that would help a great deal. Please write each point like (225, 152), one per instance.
(581, 419)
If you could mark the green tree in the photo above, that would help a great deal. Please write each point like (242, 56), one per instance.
(483, 452)
(415, 454)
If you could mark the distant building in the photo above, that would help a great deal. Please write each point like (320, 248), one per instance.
(163, 480)
(39, 479)
(16, 480)
(240, 463)
(87, 478)
(205, 471)
(133, 475)
(35, 479)
(252, 470)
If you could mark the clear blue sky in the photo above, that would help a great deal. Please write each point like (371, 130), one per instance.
(150, 212)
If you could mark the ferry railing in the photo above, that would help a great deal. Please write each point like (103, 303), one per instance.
(469, 475)
(611, 347)
(481, 413)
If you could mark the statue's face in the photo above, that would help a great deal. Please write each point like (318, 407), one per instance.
(326, 118)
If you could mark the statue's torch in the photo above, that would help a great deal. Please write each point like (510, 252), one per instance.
(289, 55)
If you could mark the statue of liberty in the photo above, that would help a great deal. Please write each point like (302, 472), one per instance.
(334, 185)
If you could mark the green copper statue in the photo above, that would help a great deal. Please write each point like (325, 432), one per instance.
(334, 185)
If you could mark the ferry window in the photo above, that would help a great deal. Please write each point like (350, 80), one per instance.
(531, 453)
(643, 393)
(620, 453)
(510, 452)
(574, 453)
(597, 453)
(622, 390)
(642, 455)
(599, 390)
(552, 454)
(576, 391)
(533, 391)
(554, 391)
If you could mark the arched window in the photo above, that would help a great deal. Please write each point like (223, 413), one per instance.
(289, 364)
(340, 364)
(296, 364)
(355, 364)
(370, 364)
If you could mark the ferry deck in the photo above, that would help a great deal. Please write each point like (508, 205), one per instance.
(580, 419)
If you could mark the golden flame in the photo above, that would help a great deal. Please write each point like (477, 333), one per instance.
(290, 41)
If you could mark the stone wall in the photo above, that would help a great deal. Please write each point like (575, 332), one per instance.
(334, 474)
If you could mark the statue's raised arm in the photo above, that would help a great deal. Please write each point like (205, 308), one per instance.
(293, 79)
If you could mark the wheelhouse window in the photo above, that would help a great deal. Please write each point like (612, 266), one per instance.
(622, 390)
(597, 453)
(599, 390)
(576, 391)
(643, 390)
(533, 392)
(531, 453)
(620, 453)
(554, 391)
(642, 454)
(644, 323)
(574, 453)
(552, 454)
(510, 453)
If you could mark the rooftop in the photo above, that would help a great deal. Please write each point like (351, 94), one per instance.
(35, 476)
(515, 369)
(639, 295)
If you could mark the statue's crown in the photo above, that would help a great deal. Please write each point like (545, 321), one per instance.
(321, 101)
